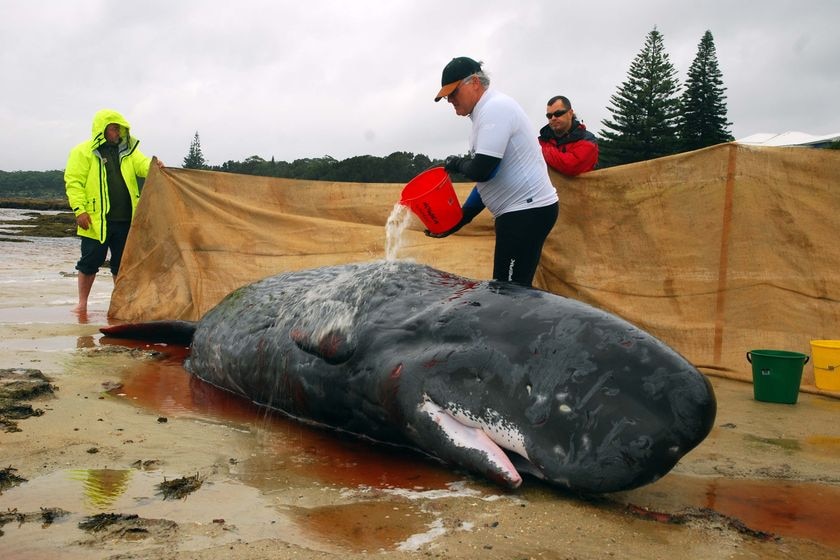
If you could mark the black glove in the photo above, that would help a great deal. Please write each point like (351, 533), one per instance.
(453, 164)
(464, 221)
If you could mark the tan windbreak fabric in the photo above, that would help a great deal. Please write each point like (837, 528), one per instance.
(717, 252)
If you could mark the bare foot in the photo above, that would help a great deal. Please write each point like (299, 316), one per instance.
(82, 315)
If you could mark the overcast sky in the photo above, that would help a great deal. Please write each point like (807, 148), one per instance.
(295, 79)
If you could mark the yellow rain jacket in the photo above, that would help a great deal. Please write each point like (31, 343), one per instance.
(85, 178)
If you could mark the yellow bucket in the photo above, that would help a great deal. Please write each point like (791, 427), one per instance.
(825, 355)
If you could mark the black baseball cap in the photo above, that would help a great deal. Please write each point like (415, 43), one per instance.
(457, 69)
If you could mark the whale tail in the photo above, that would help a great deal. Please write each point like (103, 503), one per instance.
(176, 332)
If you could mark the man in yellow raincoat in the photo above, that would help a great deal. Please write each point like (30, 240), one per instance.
(101, 184)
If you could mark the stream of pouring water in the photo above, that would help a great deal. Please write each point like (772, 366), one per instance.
(329, 307)
(395, 227)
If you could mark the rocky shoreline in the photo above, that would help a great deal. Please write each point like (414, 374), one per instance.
(34, 203)
(36, 223)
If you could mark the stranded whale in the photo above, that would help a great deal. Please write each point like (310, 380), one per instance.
(497, 378)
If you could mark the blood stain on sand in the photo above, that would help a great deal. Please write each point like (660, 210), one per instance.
(164, 386)
(786, 508)
(780, 507)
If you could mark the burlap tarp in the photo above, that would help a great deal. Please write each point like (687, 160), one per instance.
(717, 252)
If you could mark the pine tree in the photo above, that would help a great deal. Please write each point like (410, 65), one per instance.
(195, 159)
(703, 107)
(645, 109)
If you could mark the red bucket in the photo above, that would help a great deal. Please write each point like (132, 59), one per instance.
(432, 198)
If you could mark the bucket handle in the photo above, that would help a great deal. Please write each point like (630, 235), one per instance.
(749, 358)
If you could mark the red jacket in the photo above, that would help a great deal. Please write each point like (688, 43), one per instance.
(573, 153)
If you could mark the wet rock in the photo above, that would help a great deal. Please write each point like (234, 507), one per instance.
(37, 224)
(8, 478)
(16, 386)
(118, 526)
(23, 384)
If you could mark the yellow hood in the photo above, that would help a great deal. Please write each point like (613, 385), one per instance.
(102, 119)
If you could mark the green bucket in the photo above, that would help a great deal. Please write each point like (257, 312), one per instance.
(776, 375)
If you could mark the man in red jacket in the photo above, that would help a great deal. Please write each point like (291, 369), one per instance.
(567, 146)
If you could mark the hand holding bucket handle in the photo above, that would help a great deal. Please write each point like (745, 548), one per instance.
(461, 223)
(471, 208)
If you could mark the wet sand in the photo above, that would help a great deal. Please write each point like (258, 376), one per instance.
(125, 418)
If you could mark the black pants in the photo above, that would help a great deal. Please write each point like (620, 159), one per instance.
(94, 252)
(519, 241)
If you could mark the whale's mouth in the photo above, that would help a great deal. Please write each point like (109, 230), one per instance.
(473, 444)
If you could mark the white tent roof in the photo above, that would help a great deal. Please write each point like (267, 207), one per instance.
(790, 138)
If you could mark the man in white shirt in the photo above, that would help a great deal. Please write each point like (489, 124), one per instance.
(507, 163)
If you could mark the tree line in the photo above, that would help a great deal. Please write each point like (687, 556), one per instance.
(399, 167)
(652, 115)
(32, 184)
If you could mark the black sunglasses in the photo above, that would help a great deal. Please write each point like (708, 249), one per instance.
(556, 114)
(454, 92)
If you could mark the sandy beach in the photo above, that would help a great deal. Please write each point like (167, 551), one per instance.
(83, 475)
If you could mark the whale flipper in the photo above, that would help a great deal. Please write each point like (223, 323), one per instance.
(332, 347)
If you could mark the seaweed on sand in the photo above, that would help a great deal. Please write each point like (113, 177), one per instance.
(180, 487)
